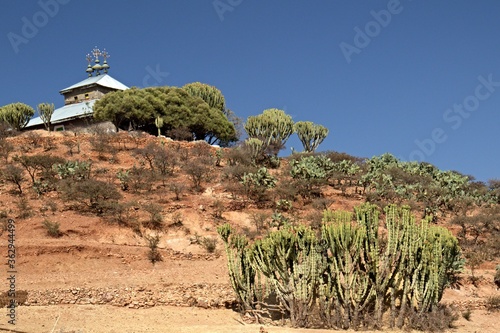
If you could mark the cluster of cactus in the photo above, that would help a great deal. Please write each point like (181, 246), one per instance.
(310, 134)
(311, 167)
(257, 183)
(77, 170)
(352, 270)
(17, 115)
(210, 94)
(443, 191)
(273, 127)
(256, 149)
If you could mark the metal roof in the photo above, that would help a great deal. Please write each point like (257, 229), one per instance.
(66, 113)
(101, 80)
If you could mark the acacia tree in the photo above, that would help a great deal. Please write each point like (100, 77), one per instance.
(273, 127)
(124, 108)
(310, 134)
(45, 111)
(17, 115)
(171, 107)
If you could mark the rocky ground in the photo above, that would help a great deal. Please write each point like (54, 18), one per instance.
(96, 277)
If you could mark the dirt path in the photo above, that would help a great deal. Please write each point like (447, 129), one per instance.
(109, 319)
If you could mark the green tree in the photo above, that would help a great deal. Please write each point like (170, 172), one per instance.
(210, 94)
(127, 108)
(45, 111)
(17, 115)
(177, 109)
(310, 134)
(273, 127)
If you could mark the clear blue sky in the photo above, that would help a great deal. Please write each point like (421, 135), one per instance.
(418, 79)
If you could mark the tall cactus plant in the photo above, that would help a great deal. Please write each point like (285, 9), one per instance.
(354, 270)
(273, 127)
(291, 260)
(210, 94)
(45, 111)
(310, 134)
(241, 272)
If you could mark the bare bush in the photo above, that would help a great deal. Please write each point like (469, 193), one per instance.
(52, 228)
(199, 170)
(155, 217)
(14, 175)
(154, 254)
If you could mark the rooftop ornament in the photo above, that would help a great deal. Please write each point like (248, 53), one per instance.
(97, 67)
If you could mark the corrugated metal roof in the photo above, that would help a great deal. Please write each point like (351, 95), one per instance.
(67, 112)
(102, 80)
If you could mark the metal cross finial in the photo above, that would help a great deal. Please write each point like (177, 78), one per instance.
(96, 52)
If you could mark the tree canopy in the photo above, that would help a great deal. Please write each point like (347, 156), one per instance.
(17, 115)
(142, 109)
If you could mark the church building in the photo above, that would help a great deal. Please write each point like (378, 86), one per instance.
(79, 98)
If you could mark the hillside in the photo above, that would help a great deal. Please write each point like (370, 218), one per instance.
(89, 207)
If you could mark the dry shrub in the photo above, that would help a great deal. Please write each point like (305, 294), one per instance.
(24, 209)
(438, 320)
(52, 228)
(199, 170)
(178, 188)
(5, 149)
(155, 218)
(493, 303)
(153, 254)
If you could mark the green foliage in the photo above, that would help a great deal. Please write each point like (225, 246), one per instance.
(159, 124)
(242, 274)
(273, 127)
(283, 205)
(45, 111)
(352, 271)
(76, 170)
(175, 107)
(255, 148)
(17, 115)
(310, 172)
(256, 184)
(311, 167)
(210, 94)
(310, 134)
(39, 164)
(389, 179)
